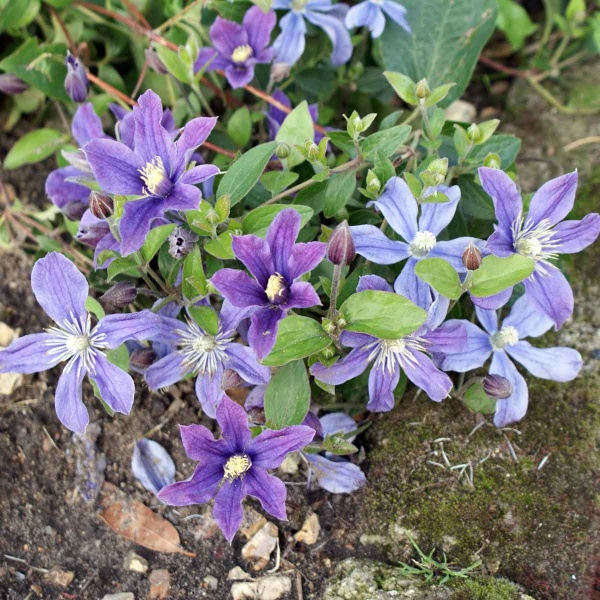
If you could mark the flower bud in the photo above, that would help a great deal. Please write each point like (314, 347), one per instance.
(121, 294)
(474, 133)
(471, 257)
(422, 89)
(181, 242)
(76, 81)
(280, 71)
(231, 379)
(142, 358)
(497, 387)
(101, 205)
(312, 151)
(340, 248)
(11, 84)
(492, 160)
(283, 150)
(373, 183)
(154, 61)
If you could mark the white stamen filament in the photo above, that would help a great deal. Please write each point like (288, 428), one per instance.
(203, 352)
(535, 241)
(153, 175)
(390, 353)
(422, 244)
(507, 336)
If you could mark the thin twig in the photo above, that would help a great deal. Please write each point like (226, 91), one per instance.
(137, 14)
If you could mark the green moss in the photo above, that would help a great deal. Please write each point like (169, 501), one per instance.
(486, 589)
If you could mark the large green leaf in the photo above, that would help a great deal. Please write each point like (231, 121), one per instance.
(243, 174)
(382, 314)
(287, 397)
(496, 274)
(441, 276)
(340, 187)
(445, 42)
(258, 220)
(295, 130)
(387, 141)
(34, 147)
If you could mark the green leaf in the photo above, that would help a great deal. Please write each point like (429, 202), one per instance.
(243, 174)
(124, 264)
(206, 318)
(258, 220)
(382, 314)
(438, 94)
(337, 444)
(295, 130)
(444, 43)
(403, 86)
(441, 276)
(194, 281)
(239, 127)
(387, 141)
(287, 397)
(92, 305)
(16, 13)
(119, 356)
(496, 274)
(175, 63)
(221, 246)
(514, 21)
(340, 187)
(277, 181)
(297, 337)
(155, 239)
(34, 147)
(478, 401)
(474, 202)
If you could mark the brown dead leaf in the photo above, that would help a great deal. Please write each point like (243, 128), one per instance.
(138, 523)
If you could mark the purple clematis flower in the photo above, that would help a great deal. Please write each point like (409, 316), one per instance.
(389, 357)
(290, 43)
(235, 466)
(542, 235)
(276, 264)
(400, 208)
(207, 355)
(62, 291)
(155, 169)
(372, 13)
(237, 48)
(275, 116)
(557, 364)
(125, 126)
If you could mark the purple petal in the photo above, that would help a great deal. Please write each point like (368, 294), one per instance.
(551, 294)
(449, 338)
(263, 330)
(336, 477)
(554, 200)
(256, 398)
(209, 392)
(305, 257)
(152, 465)
(373, 282)
(68, 404)
(28, 354)
(115, 167)
(424, 374)
(269, 490)
(258, 26)
(574, 236)
(200, 445)
(137, 220)
(86, 125)
(493, 302)
(396, 12)
(227, 35)
(505, 195)
(336, 30)
(399, 207)
(473, 355)
(269, 449)
(344, 369)
(375, 246)
(382, 384)
(407, 284)
(281, 235)
(198, 489)
(255, 254)
(557, 364)
(228, 511)
(194, 134)
(501, 242)
(209, 54)
(183, 197)
(488, 318)
(356, 340)
(71, 198)
(239, 76)
(244, 362)
(142, 325)
(116, 387)
(60, 288)
(289, 44)
(436, 216)
(366, 14)
(302, 295)
(198, 174)
(237, 287)
(233, 421)
(514, 407)
(231, 315)
(338, 422)
(151, 139)
(527, 319)
(165, 372)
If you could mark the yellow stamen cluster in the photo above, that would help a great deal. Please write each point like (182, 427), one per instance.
(236, 466)
(275, 287)
(241, 54)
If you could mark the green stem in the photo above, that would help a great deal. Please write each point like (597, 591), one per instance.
(335, 288)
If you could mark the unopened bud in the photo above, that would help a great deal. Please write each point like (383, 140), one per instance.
(101, 205)
(373, 183)
(312, 151)
(181, 242)
(492, 160)
(471, 257)
(154, 61)
(121, 294)
(439, 166)
(231, 380)
(142, 358)
(340, 248)
(76, 81)
(474, 133)
(283, 150)
(328, 352)
(11, 84)
(497, 387)
(358, 124)
(422, 89)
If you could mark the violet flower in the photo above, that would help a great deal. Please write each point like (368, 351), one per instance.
(237, 48)
(290, 43)
(276, 264)
(389, 357)
(400, 209)
(542, 235)
(77, 84)
(12, 85)
(207, 356)
(62, 291)
(372, 14)
(235, 466)
(125, 126)
(275, 117)
(155, 169)
(556, 364)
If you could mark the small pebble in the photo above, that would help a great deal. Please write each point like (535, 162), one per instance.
(134, 562)
(310, 531)
(258, 550)
(160, 583)
(211, 582)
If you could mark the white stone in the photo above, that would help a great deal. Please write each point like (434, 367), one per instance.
(310, 531)
(258, 550)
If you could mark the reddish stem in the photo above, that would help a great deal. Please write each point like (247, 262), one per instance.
(490, 62)
(133, 9)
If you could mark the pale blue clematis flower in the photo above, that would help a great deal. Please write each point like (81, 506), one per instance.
(372, 14)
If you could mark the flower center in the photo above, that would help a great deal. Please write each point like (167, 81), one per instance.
(378, 2)
(241, 54)
(507, 336)
(276, 288)
(534, 241)
(422, 244)
(155, 178)
(202, 353)
(236, 466)
(298, 5)
(390, 353)
(78, 343)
